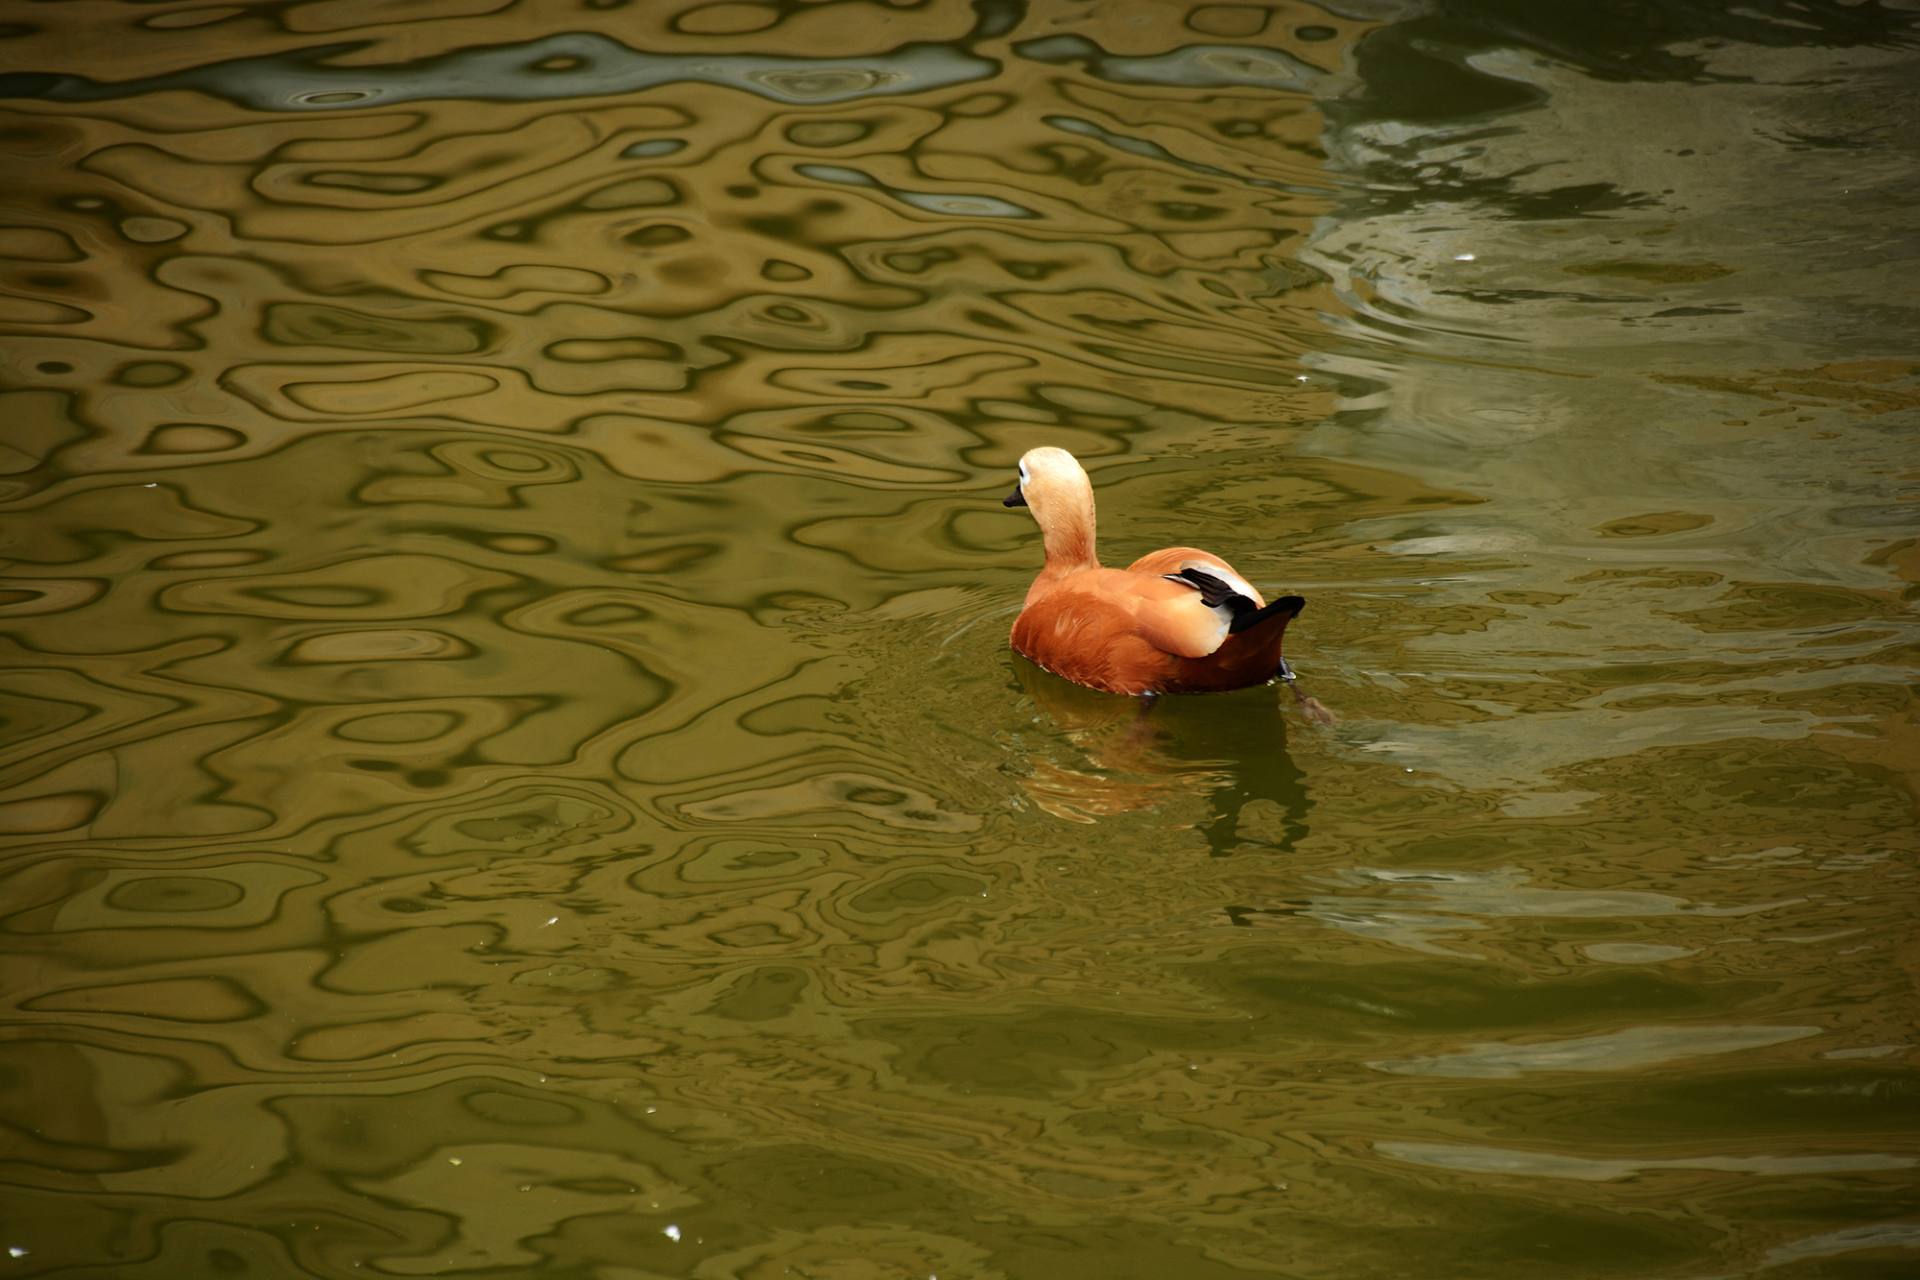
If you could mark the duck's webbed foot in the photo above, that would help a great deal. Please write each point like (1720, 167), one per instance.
(1310, 707)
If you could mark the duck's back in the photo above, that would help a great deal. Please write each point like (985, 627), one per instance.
(1086, 629)
(1119, 629)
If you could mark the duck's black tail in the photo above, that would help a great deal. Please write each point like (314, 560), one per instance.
(1284, 607)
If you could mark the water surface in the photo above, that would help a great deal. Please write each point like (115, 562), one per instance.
(512, 765)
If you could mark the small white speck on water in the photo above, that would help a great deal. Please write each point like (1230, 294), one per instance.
(551, 920)
(456, 1161)
(15, 1251)
(1463, 257)
(672, 1233)
(154, 485)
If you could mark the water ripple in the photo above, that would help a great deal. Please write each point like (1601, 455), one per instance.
(509, 760)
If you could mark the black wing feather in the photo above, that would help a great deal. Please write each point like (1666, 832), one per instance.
(1216, 594)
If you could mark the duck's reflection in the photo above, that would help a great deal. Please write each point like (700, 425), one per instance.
(1120, 755)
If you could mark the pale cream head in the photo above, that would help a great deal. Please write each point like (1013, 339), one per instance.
(1052, 478)
(1055, 487)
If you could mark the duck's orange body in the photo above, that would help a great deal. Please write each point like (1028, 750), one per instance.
(1179, 620)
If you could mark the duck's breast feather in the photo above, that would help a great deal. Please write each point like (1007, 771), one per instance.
(1088, 637)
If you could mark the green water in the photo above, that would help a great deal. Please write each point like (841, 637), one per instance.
(511, 761)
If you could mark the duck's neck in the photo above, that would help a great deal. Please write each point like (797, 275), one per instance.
(1068, 535)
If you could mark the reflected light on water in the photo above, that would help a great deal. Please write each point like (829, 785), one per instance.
(509, 759)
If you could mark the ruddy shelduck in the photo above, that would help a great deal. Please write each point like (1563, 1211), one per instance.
(1179, 620)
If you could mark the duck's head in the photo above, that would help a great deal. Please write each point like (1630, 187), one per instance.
(1052, 482)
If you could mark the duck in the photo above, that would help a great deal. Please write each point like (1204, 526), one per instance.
(1177, 620)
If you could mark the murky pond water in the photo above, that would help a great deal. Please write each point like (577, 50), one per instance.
(512, 762)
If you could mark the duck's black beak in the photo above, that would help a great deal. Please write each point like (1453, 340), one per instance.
(1014, 499)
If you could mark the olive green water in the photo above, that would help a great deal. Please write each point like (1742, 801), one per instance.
(512, 766)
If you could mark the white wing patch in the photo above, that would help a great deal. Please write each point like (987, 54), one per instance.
(1222, 615)
(1220, 633)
